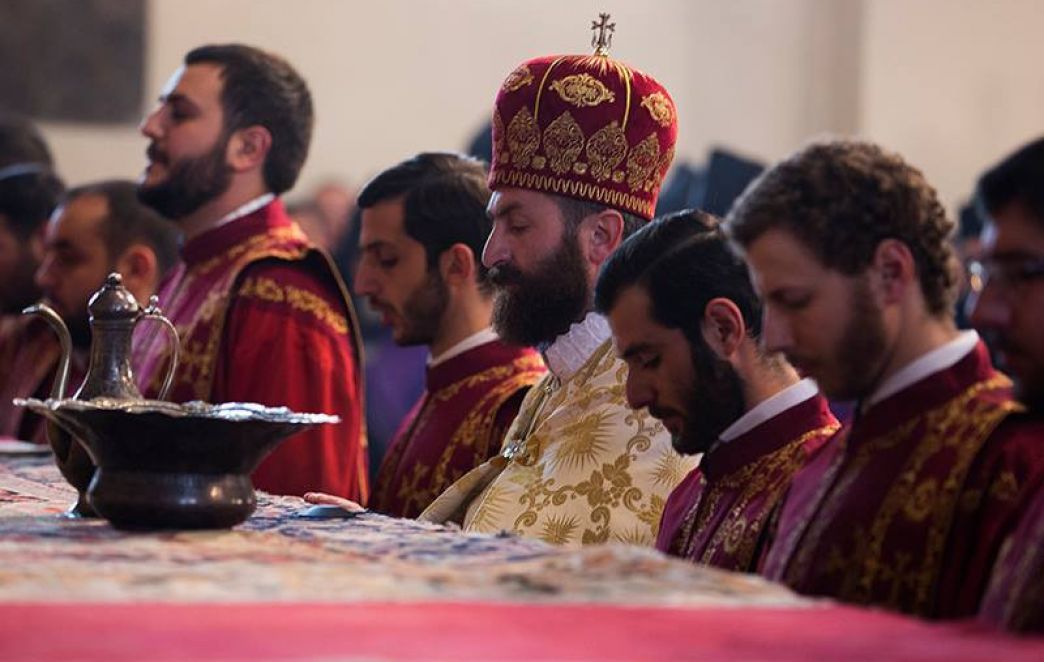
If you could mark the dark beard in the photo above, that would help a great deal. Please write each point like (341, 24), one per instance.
(715, 402)
(861, 353)
(190, 184)
(422, 312)
(530, 309)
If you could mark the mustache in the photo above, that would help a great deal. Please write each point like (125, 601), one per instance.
(505, 274)
(662, 413)
(155, 155)
(378, 305)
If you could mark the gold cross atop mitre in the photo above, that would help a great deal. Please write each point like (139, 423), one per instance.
(602, 40)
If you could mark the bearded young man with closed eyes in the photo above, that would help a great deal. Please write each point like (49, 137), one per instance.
(686, 321)
(907, 506)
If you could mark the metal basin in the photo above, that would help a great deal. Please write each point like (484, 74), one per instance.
(174, 466)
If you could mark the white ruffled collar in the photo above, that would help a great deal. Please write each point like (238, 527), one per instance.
(570, 351)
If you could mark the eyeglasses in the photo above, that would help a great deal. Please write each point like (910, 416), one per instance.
(1008, 273)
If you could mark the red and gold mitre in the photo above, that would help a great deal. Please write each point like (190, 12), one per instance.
(584, 126)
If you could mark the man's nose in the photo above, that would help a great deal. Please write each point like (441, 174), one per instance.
(365, 282)
(639, 394)
(44, 276)
(150, 126)
(990, 308)
(495, 250)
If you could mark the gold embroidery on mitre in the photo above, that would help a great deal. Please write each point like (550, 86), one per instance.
(563, 142)
(642, 162)
(665, 163)
(606, 148)
(659, 106)
(572, 188)
(523, 137)
(582, 90)
(518, 79)
(498, 135)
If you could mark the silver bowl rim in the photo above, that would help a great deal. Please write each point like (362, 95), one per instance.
(234, 412)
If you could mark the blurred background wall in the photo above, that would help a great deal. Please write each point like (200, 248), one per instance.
(951, 84)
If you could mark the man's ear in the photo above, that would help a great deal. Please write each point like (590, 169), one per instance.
(601, 234)
(140, 271)
(723, 326)
(248, 147)
(457, 265)
(892, 270)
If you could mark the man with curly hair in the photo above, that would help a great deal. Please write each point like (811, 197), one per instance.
(907, 506)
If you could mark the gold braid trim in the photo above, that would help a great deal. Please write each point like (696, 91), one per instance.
(266, 289)
(954, 426)
(261, 245)
(769, 475)
(567, 187)
(476, 429)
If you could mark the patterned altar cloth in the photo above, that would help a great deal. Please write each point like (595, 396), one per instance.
(277, 556)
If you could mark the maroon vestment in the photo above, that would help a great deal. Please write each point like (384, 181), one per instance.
(263, 317)
(29, 354)
(720, 514)
(1015, 598)
(459, 422)
(907, 507)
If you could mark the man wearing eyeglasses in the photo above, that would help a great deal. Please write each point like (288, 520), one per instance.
(1009, 283)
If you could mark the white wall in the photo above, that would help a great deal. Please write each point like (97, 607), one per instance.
(397, 76)
(952, 84)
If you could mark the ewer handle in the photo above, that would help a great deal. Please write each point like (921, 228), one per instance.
(153, 312)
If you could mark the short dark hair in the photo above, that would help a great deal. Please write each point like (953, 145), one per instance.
(27, 200)
(261, 88)
(444, 202)
(21, 142)
(1019, 177)
(841, 199)
(130, 222)
(575, 210)
(681, 261)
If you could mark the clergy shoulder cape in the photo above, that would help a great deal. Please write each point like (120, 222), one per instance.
(578, 467)
(1015, 598)
(263, 317)
(458, 423)
(722, 513)
(907, 508)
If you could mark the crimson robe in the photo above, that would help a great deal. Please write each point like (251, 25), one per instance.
(458, 423)
(721, 513)
(264, 317)
(1015, 598)
(29, 353)
(907, 508)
